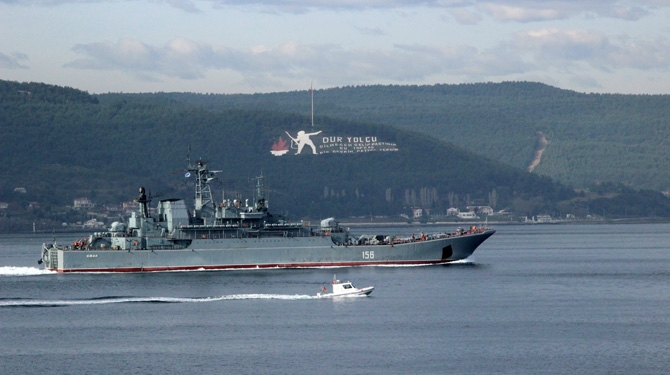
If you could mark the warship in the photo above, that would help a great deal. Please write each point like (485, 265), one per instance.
(237, 234)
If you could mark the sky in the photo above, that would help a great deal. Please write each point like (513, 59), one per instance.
(261, 46)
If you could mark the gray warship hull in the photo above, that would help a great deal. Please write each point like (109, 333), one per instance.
(236, 234)
(257, 253)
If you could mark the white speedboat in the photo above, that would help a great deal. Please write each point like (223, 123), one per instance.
(345, 289)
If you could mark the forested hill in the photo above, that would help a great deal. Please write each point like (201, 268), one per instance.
(588, 138)
(63, 144)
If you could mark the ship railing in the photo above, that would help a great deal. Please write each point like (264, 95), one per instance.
(165, 247)
(218, 226)
(396, 240)
(285, 225)
(240, 233)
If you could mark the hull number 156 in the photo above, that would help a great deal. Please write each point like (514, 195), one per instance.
(369, 255)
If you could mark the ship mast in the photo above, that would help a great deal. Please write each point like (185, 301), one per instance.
(143, 200)
(261, 202)
(204, 202)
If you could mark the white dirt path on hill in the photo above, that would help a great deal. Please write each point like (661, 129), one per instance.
(542, 143)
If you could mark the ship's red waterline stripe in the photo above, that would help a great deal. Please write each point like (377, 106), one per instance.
(256, 266)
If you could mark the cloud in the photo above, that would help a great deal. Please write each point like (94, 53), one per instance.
(309, 5)
(466, 16)
(553, 47)
(188, 60)
(527, 53)
(509, 10)
(536, 12)
(463, 11)
(13, 61)
(180, 58)
(371, 31)
(524, 11)
(570, 45)
(631, 13)
(186, 5)
(586, 81)
(471, 11)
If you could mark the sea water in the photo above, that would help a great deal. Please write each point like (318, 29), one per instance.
(534, 299)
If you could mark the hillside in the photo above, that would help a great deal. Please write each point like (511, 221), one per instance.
(64, 144)
(591, 138)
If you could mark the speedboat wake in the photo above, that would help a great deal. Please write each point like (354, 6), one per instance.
(22, 302)
(24, 271)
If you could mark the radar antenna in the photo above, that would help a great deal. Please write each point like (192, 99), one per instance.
(204, 203)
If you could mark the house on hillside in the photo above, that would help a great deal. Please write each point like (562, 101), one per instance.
(93, 223)
(481, 210)
(469, 215)
(83, 203)
(113, 209)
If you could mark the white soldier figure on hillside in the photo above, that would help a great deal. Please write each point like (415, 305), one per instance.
(303, 139)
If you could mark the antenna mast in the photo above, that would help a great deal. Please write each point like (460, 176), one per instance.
(261, 202)
(204, 203)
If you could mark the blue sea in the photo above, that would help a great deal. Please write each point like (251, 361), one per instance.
(534, 299)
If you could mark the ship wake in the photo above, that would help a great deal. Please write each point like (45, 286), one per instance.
(23, 302)
(24, 271)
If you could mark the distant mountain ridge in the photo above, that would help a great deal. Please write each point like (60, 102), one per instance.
(592, 138)
(67, 144)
